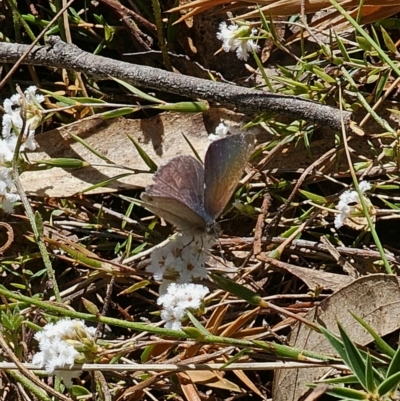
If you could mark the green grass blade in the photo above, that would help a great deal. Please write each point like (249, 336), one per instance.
(388, 41)
(388, 385)
(105, 182)
(183, 107)
(89, 147)
(369, 376)
(363, 33)
(236, 289)
(123, 111)
(143, 154)
(236, 357)
(348, 394)
(380, 87)
(381, 344)
(336, 343)
(63, 99)
(87, 100)
(394, 366)
(354, 358)
(64, 163)
(138, 92)
(342, 48)
(197, 324)
(263, 73)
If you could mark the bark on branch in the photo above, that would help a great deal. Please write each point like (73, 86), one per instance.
(63, 55)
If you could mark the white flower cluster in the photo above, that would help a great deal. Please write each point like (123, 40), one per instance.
(178, 300)
(182, 259)
(57, 350)
(237, 39)
(349, 203)
(176, 265)
(220, 132)
(12, 123)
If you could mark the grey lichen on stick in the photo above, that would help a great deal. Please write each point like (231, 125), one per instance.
(249, 101)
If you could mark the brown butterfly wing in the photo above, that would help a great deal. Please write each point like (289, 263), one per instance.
(174, 211)
(224, 164)
(177, 194)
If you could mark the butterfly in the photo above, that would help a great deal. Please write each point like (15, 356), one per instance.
(191, 196)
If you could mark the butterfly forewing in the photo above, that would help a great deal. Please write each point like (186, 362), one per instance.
(174, 211)
(224, 164)
(177, 194)
(181, 178)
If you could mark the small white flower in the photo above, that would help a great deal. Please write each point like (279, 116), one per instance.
(182, 259)
(32, 96)
(364, 186)
(12, 124)
(8, 106)
(213, 137)
(177, 264)
(30, 142)
(348, 203)
(12, 120)
(8, 202)
(178, 300)
(56, 349)
(5, 177)
(6, 154)
(15, 99)
(220, 132)
(7, 196)
(237, 39)
(227, 34)
(246, 47)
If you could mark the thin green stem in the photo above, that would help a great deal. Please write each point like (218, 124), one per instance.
(381, 121)
(362, 201)
(18, 18)
(29, 385)
(160, 35)
(361, 31)
(278, 350)
(34, 220)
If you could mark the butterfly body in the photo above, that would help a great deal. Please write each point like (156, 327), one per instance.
(191, 196)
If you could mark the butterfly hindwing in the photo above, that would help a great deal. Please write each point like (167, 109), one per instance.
(177, 194)
(224, 164)
(174, 211)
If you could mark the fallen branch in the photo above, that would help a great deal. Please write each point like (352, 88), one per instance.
(62, 55)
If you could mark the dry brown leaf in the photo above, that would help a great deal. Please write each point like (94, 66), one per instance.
(312, 278)
(211, 379)
(216, 318)
(252, 332)
(187, 386)
(246, 381)
(160, 136)
(290, 7)
(375, 298)
(199, 3)
(372, 10)
(237, 324)
(334, 19)
(282, 7)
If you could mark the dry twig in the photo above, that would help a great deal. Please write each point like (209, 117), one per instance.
(62, 55)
